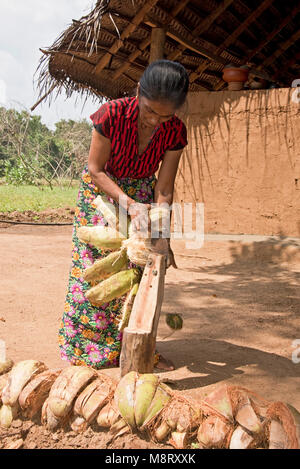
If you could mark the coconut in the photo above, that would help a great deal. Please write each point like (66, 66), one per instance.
(124, 397)
(145, 390)
(6, 366)
(174, 321)
(214, 432)
(245, 415)
(240, 439)
(139, 398)
(108, 416)
(289, 418)
(162, 431)
(278, 439)
(179, 416)
(219, 401)
(179, 440)
(8, 414)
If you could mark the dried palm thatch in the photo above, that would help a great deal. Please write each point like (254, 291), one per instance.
(103, 54)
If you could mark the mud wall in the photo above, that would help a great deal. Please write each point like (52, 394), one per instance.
(243, 161)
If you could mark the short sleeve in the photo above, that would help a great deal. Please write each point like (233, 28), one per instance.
(180, 140)
(102, 120)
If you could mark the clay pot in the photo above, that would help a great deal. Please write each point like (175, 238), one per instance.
(235, 74)
(235, 86)
(235, 77)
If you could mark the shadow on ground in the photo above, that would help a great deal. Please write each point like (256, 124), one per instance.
(218, 360)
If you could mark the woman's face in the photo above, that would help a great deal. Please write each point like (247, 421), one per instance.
(154, 113)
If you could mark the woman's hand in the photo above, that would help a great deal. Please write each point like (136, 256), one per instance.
(140, 220)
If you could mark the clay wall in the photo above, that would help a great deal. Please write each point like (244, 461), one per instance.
(243, 161)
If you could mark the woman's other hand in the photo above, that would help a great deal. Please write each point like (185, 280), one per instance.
(140, 220)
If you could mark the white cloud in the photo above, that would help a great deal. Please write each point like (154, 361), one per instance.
(26, 26)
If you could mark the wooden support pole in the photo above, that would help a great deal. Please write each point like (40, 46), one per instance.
(158, 40)
(139, 338)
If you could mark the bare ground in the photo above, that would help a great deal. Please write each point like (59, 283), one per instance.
(239, 297)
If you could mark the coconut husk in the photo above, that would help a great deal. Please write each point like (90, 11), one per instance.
(214, 432)
(108, 415)
(140, 398)
(8, 414)
(289, 418)
(48, 419)
(179, 440)
(3, 382)
(35, 393)
(241, 439)
(218, 402)
(226, 401)
(180, 414)
(66, 388)
(278, 439)
(93, 398)
(20, 374)
(244, 413)
(6, 366)
(78, 424)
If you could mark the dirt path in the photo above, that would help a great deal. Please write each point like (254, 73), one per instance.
(239, 299)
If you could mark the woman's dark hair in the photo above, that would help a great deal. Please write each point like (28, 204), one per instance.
(165, 80)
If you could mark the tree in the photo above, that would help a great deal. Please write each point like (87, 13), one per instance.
(32, 153)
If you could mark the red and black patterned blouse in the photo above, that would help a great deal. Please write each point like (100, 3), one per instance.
(118, 121)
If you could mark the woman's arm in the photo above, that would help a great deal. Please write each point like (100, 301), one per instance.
(99, 154)
(164, 188)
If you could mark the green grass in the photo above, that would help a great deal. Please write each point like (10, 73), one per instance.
(21, 198)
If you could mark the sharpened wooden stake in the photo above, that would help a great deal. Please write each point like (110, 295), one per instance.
(139, 338)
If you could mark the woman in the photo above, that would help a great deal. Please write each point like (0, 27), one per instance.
(131, 138)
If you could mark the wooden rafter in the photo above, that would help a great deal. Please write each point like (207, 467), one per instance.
(203, 26)
(189, 42)
(274, 33)
(270, 60)
(146, 43)
(280, 50)
(268, 39)
(124, 35)
(280, 72)
(232, 37)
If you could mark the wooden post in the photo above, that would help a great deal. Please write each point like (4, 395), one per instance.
(139, 338)
(158, 39)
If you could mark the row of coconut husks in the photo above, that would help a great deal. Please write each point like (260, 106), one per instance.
(75, 397)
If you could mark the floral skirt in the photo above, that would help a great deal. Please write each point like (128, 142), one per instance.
(89, 335)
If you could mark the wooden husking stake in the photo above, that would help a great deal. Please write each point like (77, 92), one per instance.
(139, 338)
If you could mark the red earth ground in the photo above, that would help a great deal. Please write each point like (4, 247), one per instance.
(239, 297)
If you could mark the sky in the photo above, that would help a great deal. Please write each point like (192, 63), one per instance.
(26, 26)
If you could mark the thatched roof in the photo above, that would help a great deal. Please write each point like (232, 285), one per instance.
(104, 53)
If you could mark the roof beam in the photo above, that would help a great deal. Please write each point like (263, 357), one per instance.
(232, 37)
(103, 62)
(203, 26)
(189, 43)
(280, 72)
(291, 41)
(146, 43)
(274, 33)
(280, 50)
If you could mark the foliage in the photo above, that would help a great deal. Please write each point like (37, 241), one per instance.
(31, 153)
